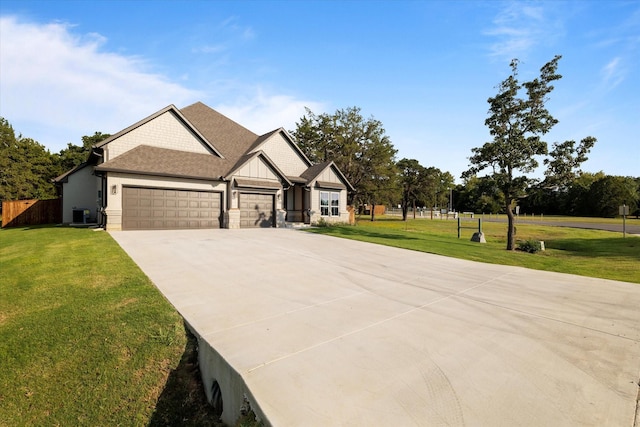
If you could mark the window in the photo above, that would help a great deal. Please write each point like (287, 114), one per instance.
(329, 203)
(324, 203)
(335, 202)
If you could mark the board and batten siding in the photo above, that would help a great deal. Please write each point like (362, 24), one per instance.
(257, 169)
(328, 175)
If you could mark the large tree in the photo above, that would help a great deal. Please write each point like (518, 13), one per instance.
(438, 187)
(606, 195)
(73, 155)
(516, 124)
(358, 146)
(480, 195)
(412, 178)
(26, 167)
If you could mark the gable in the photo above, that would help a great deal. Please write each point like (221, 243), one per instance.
(329, 175)
(281, 151)
(257, 168)
(326, 175)
(166, 130)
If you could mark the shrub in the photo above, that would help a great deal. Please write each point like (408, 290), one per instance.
(322, 223)
(531, 246)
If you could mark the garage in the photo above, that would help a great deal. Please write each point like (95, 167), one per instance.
(165, 209)
(256, 210)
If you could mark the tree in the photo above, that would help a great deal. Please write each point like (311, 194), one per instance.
(608, 193)
(26, 167)
(359, 147)
(74, 155)
(551, 196)
(577, 200)
(564, 165)
(438, 187)
(412, 177)
(516, 125)
(480, 195)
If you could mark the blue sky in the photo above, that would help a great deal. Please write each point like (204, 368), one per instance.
(423, 68)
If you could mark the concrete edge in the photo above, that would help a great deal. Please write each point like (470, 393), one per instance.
(236, 397)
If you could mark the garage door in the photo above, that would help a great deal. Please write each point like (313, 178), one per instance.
(161, 208)
(256, 210)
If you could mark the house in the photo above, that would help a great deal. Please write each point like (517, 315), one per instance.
(195, 168)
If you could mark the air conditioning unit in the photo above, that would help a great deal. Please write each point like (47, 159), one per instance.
(80, 216)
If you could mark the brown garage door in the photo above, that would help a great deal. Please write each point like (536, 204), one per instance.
(163, 209)
(256, 210)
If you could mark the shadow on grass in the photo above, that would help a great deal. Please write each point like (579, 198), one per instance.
(183, 401)
(592, 248)
(359, 232)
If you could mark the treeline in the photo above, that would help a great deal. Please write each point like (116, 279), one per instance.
(589, 194)
(28, 167)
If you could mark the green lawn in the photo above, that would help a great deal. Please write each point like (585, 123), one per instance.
(86, 339)
(591, 253)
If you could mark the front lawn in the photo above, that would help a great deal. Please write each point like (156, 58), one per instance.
(86, 339)
(591, 253)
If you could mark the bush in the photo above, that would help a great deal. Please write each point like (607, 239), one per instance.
(322, 223)
(531, 246)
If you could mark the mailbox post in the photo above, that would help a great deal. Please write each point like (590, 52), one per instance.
(624, 211)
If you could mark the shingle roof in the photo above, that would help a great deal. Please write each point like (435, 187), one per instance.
(230, 139)
(314, 171)
(148, 160)
(63, 177)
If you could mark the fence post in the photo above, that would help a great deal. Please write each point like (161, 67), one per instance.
(458, 227)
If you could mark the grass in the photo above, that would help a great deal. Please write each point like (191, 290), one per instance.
(592, 253)
(86, 339)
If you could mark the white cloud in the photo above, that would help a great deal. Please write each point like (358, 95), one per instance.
(60, 83)
(613, 73)
(261, 112)
(57, 86)
(519, 27)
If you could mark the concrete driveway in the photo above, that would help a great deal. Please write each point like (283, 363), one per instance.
(320, 331)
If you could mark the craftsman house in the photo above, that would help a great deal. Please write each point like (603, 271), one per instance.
(195, 168)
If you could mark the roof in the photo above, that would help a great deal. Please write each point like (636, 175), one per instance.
(148, 160)
(314, 171)
(257, 183)
(64, 177)
(231, 139)
(331, 185)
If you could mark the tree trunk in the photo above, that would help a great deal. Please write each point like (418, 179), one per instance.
(373, 210)
(414, 209)
(511, 228)
(405, 210)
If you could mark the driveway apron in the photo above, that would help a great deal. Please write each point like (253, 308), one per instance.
(320, 331)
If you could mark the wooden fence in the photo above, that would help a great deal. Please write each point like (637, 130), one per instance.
(19, 213)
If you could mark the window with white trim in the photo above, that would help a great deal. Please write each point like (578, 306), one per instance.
(335, 204)
(329, 203)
